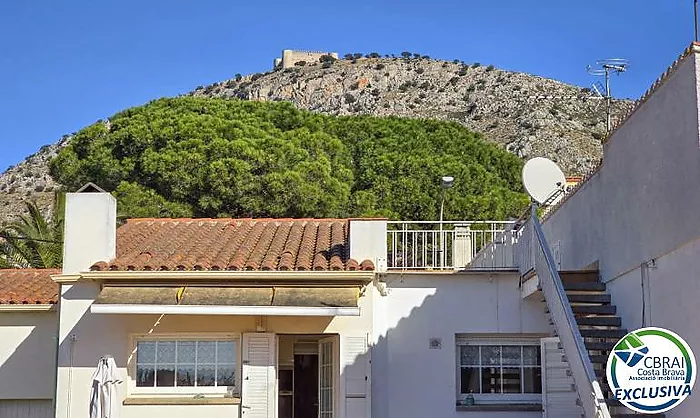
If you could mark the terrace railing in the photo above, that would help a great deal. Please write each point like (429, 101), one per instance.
(430, 245)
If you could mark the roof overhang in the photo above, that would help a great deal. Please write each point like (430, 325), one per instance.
(229, 300)
(209, 276)
(225, 310)
(26, 307)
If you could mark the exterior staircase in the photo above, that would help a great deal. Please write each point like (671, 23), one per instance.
(600, 328)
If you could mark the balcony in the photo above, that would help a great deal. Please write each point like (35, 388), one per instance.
(430, 245)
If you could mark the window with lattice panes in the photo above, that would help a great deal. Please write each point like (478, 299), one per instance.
(499, 370)
(181, 365)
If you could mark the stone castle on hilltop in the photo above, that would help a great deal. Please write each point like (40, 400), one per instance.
(291, 57)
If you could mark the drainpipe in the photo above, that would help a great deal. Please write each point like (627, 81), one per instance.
(57, 344)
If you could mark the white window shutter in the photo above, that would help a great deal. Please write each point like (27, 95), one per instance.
(356, 373)
(258, 379)
(558, 391)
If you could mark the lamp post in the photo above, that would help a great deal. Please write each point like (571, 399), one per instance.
(447, 183)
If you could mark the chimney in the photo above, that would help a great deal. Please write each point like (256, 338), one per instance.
(90, 229)
(368, 241)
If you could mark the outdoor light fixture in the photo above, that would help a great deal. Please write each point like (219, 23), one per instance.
(447, 182)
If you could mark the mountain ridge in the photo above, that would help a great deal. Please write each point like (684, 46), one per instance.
(526, 114)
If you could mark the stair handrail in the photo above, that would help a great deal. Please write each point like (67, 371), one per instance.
(587, 385)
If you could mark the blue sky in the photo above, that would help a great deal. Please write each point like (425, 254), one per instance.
(66, 64)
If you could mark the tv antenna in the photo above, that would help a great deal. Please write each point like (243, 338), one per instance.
(605, 68)
(695, 15)
(543, 180)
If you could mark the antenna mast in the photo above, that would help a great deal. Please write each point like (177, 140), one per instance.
(605, 68)
(695, 14)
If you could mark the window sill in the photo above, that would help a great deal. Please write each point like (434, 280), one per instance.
(182, 401)
(504, 407)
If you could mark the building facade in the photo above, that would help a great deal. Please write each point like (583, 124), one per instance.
(359, 318)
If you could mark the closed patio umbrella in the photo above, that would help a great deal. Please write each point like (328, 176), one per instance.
(104, 401)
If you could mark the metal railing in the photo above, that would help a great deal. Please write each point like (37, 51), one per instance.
(524, 252)
(587, 385)
(433, 245)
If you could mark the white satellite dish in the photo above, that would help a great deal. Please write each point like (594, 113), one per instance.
(543, 179)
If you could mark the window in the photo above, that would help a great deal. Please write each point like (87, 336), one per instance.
(184, 365)
(499, 371)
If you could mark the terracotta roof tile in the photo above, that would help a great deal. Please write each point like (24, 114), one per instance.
(233, 244)
(28, 286)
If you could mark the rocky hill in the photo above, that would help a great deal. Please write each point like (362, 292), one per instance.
(526, 114)
(29, 180)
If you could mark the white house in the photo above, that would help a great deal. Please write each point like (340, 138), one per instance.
(360, 318)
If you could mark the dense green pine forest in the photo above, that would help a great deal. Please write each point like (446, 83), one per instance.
(209, 157)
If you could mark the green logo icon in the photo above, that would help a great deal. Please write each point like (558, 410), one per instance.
(631, 350)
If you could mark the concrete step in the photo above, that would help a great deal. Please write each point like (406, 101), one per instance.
(594, 309)
(608, 321)
(579, 276)
(599, 359)
(584, 286)
(600, 346)
(602, 298)
(603, 333)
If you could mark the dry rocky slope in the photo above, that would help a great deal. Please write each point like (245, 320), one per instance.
(528, 115)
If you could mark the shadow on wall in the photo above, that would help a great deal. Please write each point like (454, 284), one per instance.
(28, 372)
(414, 365)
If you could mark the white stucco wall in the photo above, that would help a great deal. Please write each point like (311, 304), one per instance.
(643, 202)
(90, 230)
(27, 355)
(641, 206)
(100, 334)
(412, 380)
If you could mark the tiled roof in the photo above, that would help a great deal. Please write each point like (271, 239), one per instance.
(28, 286)
(233, 244)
